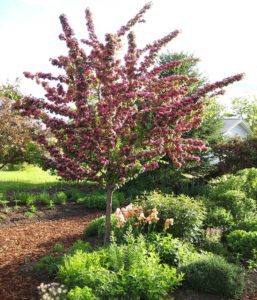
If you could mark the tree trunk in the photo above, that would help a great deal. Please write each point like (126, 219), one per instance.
(107, 234)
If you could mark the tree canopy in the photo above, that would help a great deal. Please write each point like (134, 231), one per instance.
(112, 118)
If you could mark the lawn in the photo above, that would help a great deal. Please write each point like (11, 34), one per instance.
(31, 177)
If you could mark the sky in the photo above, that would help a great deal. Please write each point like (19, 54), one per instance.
(221, 33)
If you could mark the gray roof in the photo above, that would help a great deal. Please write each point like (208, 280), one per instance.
(229, 123)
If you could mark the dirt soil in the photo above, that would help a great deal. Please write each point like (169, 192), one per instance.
(21, 244)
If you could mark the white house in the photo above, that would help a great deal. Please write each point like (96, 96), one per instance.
(233, 127)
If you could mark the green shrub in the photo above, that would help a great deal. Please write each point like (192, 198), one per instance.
(48, 264)
(74, 194)
(58, 247)
(248, 225)
(242, 242)
(127, 271)
(211, 241)
(80, 245)
(219, 217)
(97, 226)
(237, 203)
(212, 274)
(60, 198)
(171, 250)
(85, 269)
(84, 293)
(188, 213)
(244, 181)
(25, 198)
(45, 198)
(97, 200)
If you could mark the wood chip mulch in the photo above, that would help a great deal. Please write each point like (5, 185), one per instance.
(25, 243)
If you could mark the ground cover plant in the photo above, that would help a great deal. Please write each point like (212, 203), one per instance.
(113, 119)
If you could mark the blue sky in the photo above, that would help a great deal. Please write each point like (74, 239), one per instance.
(221, 33)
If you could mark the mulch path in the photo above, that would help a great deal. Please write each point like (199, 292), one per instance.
(22, 244)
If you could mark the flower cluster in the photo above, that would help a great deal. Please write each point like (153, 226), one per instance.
(111, 119)
(52, 291)
(136, 216)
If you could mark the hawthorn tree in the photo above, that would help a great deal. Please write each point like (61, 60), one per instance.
(112, 118)
(14, 134)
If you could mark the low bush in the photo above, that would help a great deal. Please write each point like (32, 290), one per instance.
(97, 200)
(25, 198)
(84, 293)
(172, 251)
(213, 274)
(188, 213)
(211, 241)
(47, 264)
(60, 198)
(79, 245)
(96, 227)
(74, 194)
(244, 181)
(85, 269)
(248, 225)
(219, 217)
(127, 271)
(237, 203)
(45, 198)
(243, 243)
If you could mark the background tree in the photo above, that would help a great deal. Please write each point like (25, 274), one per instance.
(14, 135)
(235, 154)
(16, 145)
(113, 119)
(246, 108)
(167, 177)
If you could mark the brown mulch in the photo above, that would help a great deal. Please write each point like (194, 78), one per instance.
(24, 243)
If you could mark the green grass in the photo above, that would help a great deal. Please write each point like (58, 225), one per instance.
(31, 177)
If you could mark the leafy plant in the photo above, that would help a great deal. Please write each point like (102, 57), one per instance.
(45, 198)
(243, 242)
(79, 245)
(84, 293)
(127, 271)
(248, 224)
(97, 200)
(172, 251)
(4, 203)
(213, 274)
(96, 227)
(237, 203)
(219, 217)
(48, 264)
(188, 213)
(58, 247)
(60, 198)
(25, 198)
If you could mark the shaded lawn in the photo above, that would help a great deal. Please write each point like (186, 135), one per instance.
(31, 177)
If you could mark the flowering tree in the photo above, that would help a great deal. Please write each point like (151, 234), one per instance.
(112, 118)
